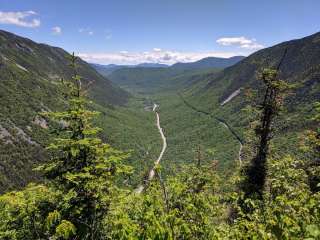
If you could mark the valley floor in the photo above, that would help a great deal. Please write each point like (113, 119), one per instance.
(190, 136)
(164, 147)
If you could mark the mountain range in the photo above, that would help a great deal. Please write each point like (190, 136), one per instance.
(209, 62)
(221, 93)
(30, 73)
(205, 63)
(110, 68)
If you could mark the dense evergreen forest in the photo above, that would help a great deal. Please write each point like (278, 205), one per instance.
(242, 156)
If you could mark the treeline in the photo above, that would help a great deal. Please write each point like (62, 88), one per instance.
(84, 194)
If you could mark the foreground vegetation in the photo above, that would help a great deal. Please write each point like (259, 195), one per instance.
(29, 85)
(85, 194)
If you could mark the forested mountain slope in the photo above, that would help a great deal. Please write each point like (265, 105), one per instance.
(225, 94)
(221, 93)
(143, 80)
(301, 65)
(146, 79)
(29, 76)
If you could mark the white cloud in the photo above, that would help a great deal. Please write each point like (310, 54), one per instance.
(22, 19)
(56, 30)
(233, 41)
(252, 46)
(154, 56)
(241, 42)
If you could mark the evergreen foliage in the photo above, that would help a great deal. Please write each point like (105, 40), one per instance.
(82, 167)
(271, 105)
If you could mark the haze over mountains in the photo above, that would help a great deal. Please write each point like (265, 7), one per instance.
(209, 62)
(108, 69)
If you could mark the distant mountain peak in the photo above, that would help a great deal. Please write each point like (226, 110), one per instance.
(205, 63)
(210, 62)
(152, 65)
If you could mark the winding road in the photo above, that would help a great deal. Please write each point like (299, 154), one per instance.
(164, 147)
(151, 175)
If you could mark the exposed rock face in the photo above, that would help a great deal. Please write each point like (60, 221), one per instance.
(63, 124)
(14, 134)
(5, 135)
(40, 122)
(21, 134)
(233, 95)
(22, 68)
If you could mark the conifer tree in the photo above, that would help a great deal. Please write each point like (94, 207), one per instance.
(274, 93)
(81, 166)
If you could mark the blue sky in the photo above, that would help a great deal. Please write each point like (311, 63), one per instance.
(133, 31)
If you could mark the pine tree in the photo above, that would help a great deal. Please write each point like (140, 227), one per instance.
(81, 166)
